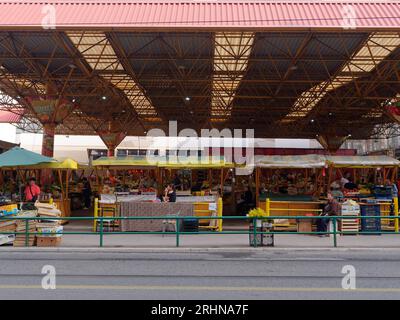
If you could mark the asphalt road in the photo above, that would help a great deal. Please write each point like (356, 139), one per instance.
(213, 275)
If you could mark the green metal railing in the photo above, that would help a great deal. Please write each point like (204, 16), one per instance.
(178, 233)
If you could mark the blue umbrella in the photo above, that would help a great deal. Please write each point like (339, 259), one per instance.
(19, 157)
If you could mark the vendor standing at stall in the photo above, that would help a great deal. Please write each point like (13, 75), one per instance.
(32, 191)
(86, 193)
(330, 209)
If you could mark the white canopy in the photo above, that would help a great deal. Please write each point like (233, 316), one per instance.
(362, 161)
(300, 161)
(320, 161)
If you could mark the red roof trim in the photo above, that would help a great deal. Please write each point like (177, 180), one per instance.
(201, 14)
(10, 117)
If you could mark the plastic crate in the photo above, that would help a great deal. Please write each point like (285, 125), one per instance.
(370, 224)
(383, 192)
(190, 225)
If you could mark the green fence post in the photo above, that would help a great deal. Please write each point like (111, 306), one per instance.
(334, 232)
(177, 231)
(26, 232)
(101, 231)
(255, 232)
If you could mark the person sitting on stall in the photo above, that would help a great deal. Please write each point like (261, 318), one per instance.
(86, 193)
(170, 194)
(32, 191)
(331, 209)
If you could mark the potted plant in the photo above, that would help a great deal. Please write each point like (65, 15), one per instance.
(256, 213)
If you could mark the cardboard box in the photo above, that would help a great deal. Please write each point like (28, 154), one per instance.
(48, 241)
(304, 225)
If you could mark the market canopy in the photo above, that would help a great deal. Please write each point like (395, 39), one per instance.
(19, 157)
(298, 161)
(65, 164)
(125, 162)
(195, 163)
(362, 161)
(163, 162)
(319, 161)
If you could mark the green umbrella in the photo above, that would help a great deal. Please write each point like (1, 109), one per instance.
(19, 157)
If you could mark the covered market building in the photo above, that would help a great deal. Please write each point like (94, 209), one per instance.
(281, 69)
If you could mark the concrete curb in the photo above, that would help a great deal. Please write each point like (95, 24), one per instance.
(182, 250)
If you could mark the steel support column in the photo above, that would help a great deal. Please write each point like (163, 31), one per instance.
(112, 140)
(332, 143)
(48, 139)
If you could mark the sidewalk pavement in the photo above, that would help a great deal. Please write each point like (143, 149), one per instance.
(229, 241)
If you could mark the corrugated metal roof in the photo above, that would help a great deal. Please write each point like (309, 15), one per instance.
(9, 117)
(202, 14)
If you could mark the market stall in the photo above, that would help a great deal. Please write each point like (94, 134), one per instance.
(142, 187)
(19, 164)
(289, 178)
(291, 184)
(199, 175)
(132, 174)
(368, 181)
(205, 188)
(121, 180)
(59, 191)
(58, 173)
(363, 169)
(13, 175)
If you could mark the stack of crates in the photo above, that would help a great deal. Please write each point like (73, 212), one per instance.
(349, 226)
(372, 208)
